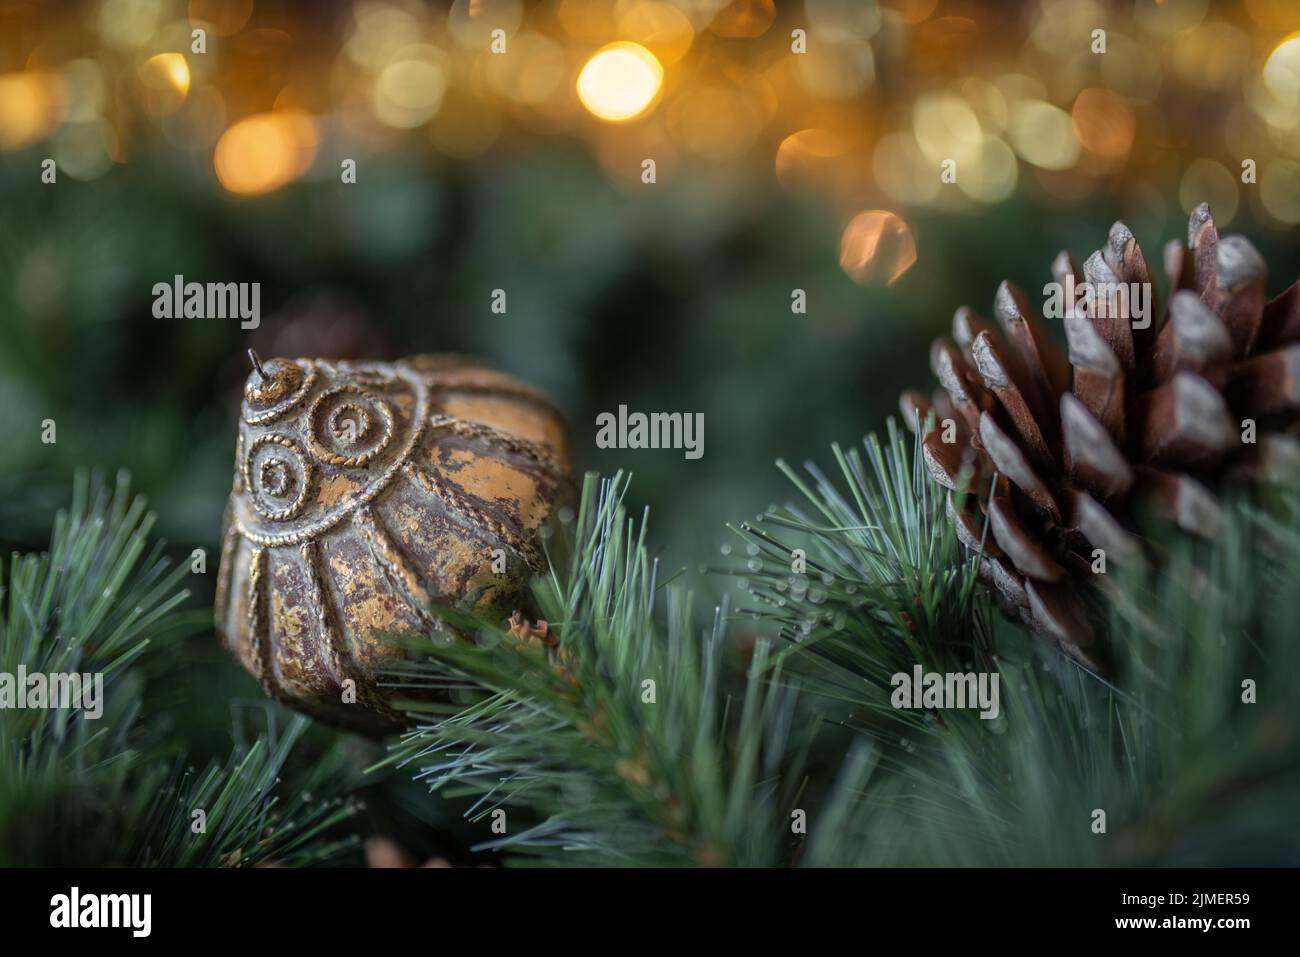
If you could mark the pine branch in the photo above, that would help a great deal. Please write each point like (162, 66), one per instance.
(85, 790)
(861, 582)
(864, 580)
(620, 740)
(231, 815)
(1179, 764)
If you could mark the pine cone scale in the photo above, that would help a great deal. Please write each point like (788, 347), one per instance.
(1092, 459)
(1282, 318)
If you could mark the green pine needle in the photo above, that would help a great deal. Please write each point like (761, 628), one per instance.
(76, 790)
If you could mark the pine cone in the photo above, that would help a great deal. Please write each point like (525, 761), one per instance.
(1056, 449)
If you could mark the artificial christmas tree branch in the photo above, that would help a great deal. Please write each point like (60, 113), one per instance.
(1171, 761)
(89, 786)
(632, 742)
(1177, 750)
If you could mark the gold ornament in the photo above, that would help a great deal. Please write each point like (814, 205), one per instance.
(365, 493)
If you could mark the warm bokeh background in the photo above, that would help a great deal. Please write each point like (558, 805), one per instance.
(479, 170)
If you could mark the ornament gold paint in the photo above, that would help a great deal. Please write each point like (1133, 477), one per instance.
(365, 493)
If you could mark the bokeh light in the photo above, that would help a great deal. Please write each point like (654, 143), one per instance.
(620, 81)
(990, 176)
(1206, 181)
(877, 247)
(661, 28)
(85, 150)
(1279, 190)
(1282, 71)
(264, 152)
(129, 24)
(1104, 124)
(167, 70)
(165, 79)
(805, 157)
(1044, 135)
(409, 90)
(30, 106)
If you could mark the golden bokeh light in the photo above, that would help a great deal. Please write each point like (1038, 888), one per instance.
(128, 24)
(1206, 181)
(85, 150)
(876, 248)
(1104, 123)
(805, 156)
(990, 175)
(1279, 190)
(409, 90)
(166, 70)
(378, 32)
(659, 27)
(1266, 106)
(1282, 71)
(30, 107)
(945, 128)
(166, 79)
(1044, 135)
(265, 151)
(620, 81)
(988, 102)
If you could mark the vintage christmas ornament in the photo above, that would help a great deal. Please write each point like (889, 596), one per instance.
(364, 494)
(1136, 409)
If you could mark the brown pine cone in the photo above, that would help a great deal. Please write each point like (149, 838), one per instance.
(1056, 448)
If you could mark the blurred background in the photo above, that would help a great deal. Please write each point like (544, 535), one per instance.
(502, 145)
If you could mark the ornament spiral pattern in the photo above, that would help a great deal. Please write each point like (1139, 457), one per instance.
(349, 426)
(278, 476)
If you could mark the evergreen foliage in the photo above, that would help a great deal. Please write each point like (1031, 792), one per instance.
(638, 731)
(84, 791)
(719, 768)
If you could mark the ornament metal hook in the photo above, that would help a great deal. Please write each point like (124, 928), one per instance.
(257, 363)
